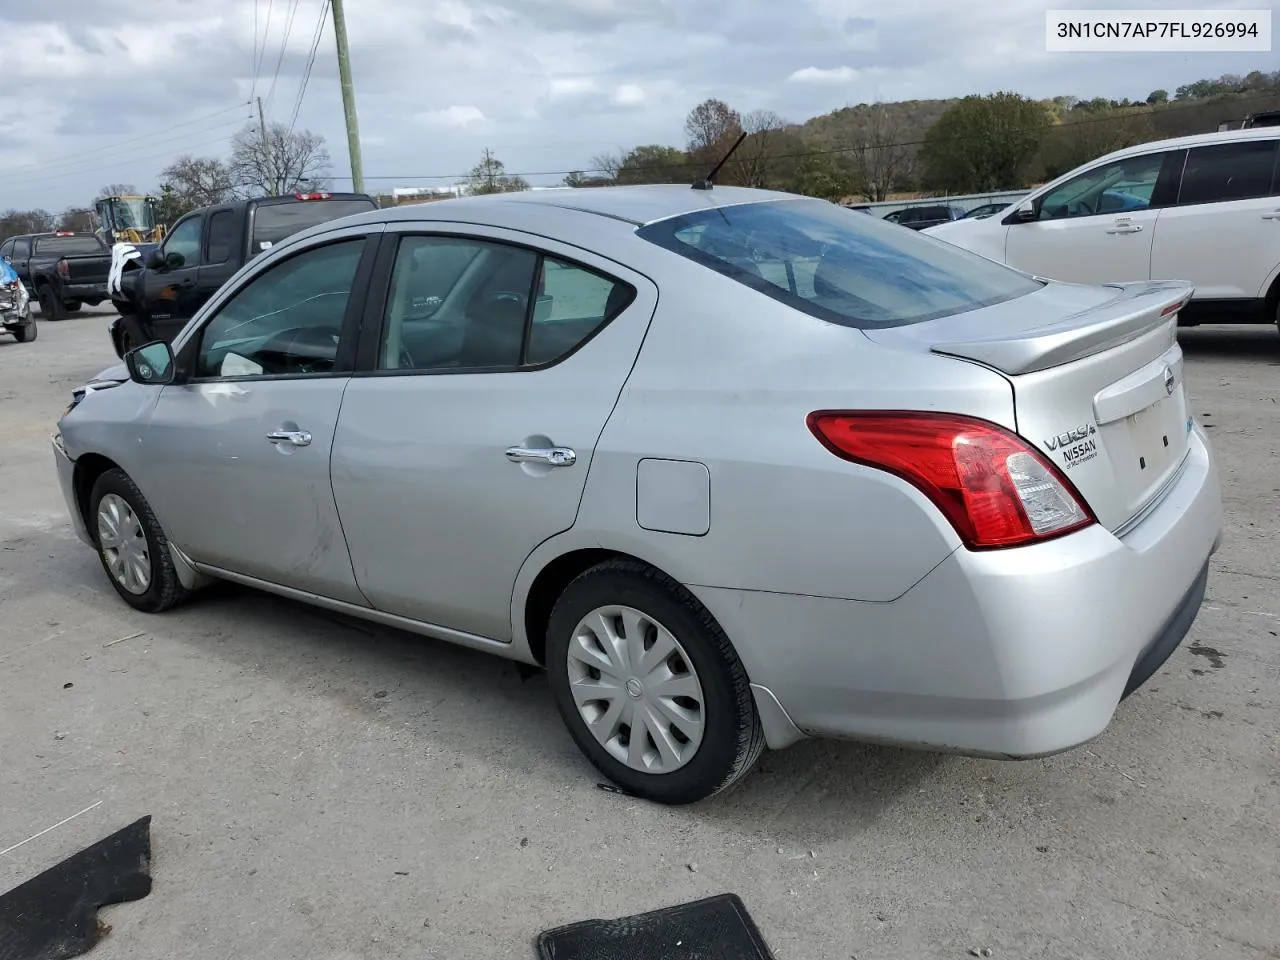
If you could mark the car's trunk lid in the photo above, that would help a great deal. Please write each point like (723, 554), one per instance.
(1097, 382)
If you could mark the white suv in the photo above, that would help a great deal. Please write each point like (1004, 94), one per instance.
(1203, 208)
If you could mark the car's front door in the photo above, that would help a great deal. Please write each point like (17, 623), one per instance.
(1097, 227)
(468, 442)
(170, 291)
(1230, 194)
(238, 455)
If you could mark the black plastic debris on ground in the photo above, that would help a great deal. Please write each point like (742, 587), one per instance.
(717, 928)
(54, 916)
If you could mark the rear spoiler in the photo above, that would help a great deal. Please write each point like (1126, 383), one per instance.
(1140, 308)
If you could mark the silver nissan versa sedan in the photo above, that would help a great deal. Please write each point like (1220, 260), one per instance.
(734, 466)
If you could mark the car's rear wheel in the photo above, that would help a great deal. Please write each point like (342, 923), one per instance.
(71, 306)
(50, 305)
(649, 685)
(132, 546)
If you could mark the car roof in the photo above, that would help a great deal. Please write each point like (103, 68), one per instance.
(636, 205)
(1193, 140)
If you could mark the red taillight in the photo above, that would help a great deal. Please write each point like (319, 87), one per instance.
(994, 488)
(313, 196)
(64, 270)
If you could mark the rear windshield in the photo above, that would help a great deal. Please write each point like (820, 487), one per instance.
(855, 271)
(68, 246)
(272, 222)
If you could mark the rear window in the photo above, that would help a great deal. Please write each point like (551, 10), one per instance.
(855, 271)
(273, 222)
(67, 246)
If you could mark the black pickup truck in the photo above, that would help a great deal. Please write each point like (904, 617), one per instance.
(60, 270)
(158, 294)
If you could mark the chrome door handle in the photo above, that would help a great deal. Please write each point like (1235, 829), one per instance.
(1126, 228)
(552, 456)
(298, 438)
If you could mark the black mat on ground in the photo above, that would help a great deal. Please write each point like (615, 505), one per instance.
(717, 928)
(54, 916)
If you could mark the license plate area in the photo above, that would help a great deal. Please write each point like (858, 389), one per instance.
(1157, 437)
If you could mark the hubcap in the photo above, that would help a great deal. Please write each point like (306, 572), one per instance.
(636, 689)
(124, 544)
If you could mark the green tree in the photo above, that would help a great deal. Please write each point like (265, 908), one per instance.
(1078, 141)
(654, 163)
(1158, 96)
(818, 175)
(490, 176)
(985, 143)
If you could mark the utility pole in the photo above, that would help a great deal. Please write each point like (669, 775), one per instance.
(348, 96)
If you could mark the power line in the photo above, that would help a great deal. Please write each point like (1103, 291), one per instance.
(266, 32)
(150, 137)
(311, 60)
(253, 61)
(800, 155)
(284, 46)
(113, 164)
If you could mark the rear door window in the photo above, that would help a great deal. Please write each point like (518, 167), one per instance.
(221, 240)
(1229, 171)
(854, 271)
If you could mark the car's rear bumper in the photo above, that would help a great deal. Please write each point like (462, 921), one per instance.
(66, 469)
(1017, 653)
(84, 291)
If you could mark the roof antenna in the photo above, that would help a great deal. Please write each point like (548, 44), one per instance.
(706, 182)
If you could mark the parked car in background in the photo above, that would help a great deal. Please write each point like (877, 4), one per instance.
(62, 270)
(918, 218)
(156, 296)
(1203, 208)
(734, 466)
(15, 305)
(986, 210)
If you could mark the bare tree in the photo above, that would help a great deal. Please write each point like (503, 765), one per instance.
(880, 157)
(13, 222)
(116, 190)
(279, 163)
(710, 124)
(78, 219)
(607, 165)
(198, 181)
(762, 128)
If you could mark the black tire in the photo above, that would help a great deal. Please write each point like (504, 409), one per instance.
(122, 307)
(51, 306)
(165, 590)
(25, 333)
(71, 306)
(732, 739)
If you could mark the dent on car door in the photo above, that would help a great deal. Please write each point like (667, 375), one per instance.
(492, 371)
(237, 459)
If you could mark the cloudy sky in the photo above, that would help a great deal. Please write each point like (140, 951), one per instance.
(111, 91)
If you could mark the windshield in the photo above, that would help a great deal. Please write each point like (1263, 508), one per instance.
(133, 214)
(273, 222)
(855, 271)
(67, 246)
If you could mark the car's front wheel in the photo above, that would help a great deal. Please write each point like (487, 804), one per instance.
(25, 333)
(649, 685)
(131, 544)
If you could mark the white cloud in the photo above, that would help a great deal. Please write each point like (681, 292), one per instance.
(834, 75)
(94, 95)
(629, 95)
(456, 116)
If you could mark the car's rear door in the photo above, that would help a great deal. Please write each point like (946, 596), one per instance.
(1230, 193)
(237, 459)
(493, 360)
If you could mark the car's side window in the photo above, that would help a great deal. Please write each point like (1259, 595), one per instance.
(572, 304)
(221, 238)
(469, 304)
(22, 248)
(1229, 171)
(1116, 187)
(285, 321)
(185, 241)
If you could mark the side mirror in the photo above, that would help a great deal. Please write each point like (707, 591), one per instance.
(152, 363)
(1023, 212)
(156, 261)
(7, 260)
(175, 260)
